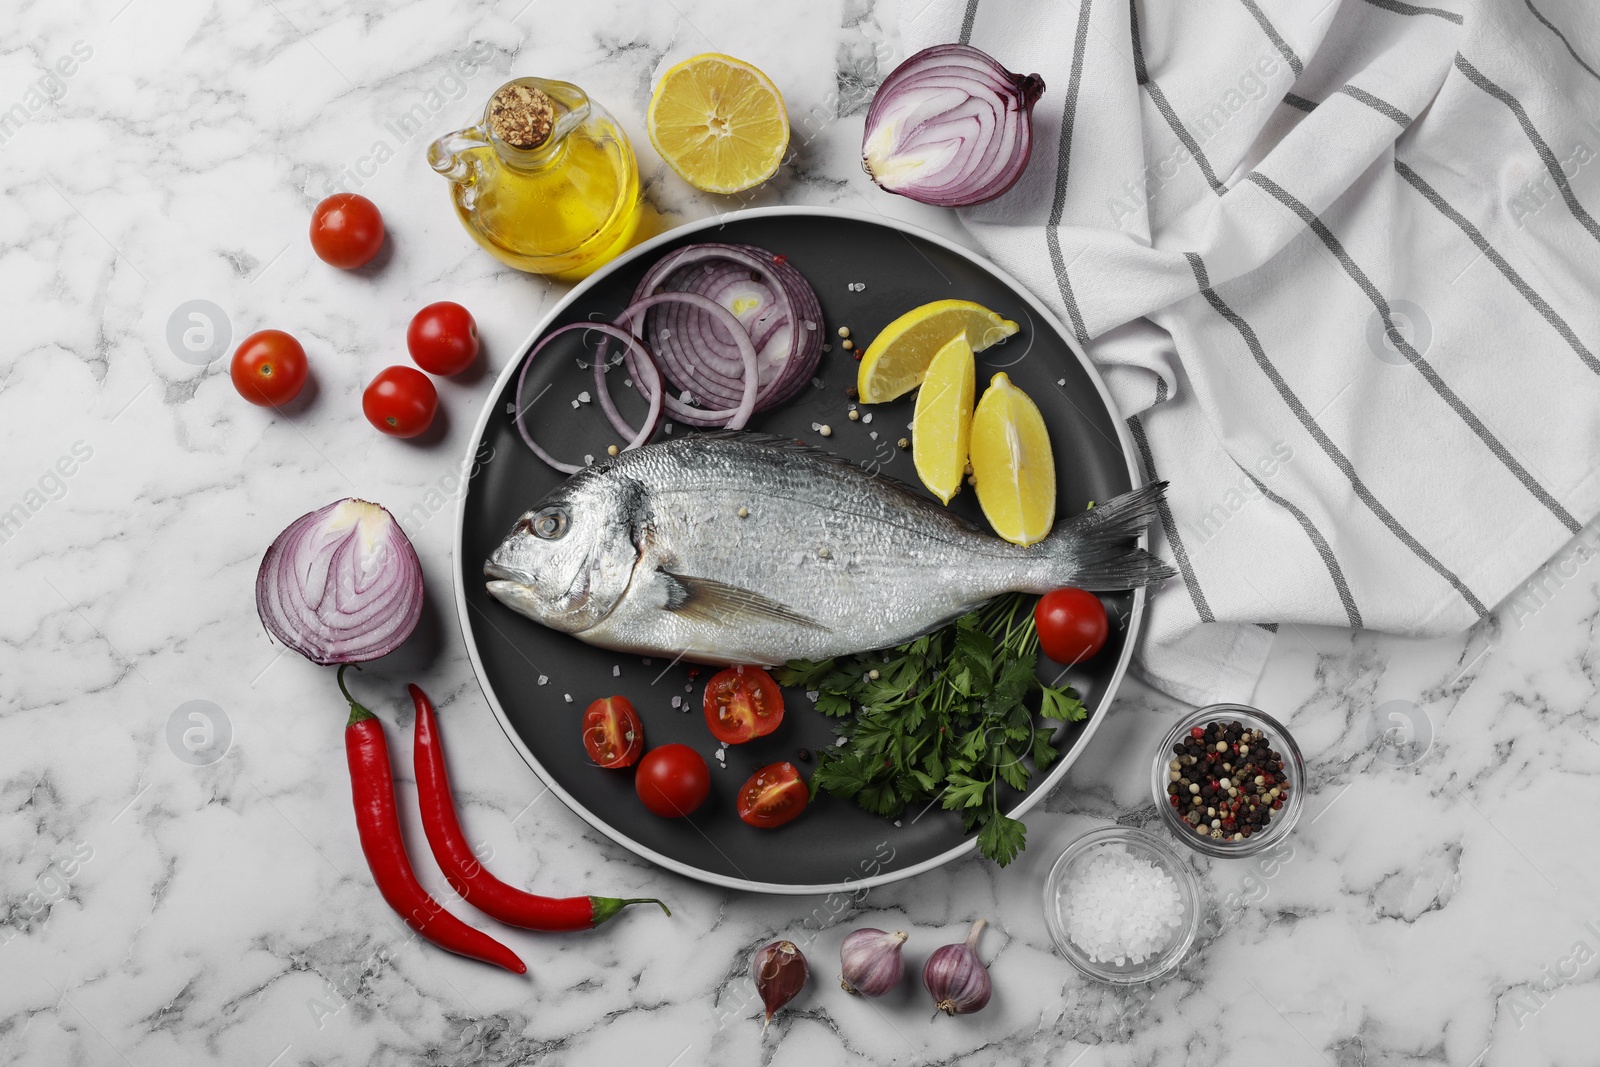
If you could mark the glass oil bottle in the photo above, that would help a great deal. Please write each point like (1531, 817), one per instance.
(546, 182)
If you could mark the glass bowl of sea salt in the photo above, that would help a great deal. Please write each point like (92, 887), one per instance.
(1122, 906)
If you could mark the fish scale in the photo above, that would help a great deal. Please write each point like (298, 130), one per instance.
(646, 553)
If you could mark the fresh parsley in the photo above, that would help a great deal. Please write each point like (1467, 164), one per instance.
(951, 716)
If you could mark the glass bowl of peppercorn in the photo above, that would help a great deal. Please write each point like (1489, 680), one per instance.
(1228, 780)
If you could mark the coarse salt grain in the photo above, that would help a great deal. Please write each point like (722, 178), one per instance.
(1124, 909)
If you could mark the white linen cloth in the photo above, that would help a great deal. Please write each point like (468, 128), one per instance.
(1339, 263)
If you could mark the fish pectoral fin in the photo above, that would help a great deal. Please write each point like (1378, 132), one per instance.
(713, 601)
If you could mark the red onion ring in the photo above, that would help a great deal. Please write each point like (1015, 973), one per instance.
(622, 427)
(699, 359)
(950, 127)
(736, 417)
(703, 346)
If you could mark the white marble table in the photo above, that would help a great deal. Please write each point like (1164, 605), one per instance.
(1439, 906)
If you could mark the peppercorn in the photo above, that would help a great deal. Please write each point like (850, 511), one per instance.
(1232, 792)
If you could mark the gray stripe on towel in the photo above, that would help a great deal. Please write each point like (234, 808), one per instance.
(1411, 9)
(1169, 527)
(1477, 238)
(1431, 376)
(1563, 38)
(1551, 164)
(1382, 107)
(1052, 232)
(1159, 98)
(1319, 435)
(1323, 549)
(1275, 37)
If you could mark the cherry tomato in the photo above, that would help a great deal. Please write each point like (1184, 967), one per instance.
(443, 338)
(401, 401)
(773, 795)
(672, 780)
(346, 230)
(742, 703)
(269, 368)
(1072, 625)
(612, 732)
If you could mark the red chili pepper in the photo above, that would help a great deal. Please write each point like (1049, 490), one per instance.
(461, 867)
(372, 786)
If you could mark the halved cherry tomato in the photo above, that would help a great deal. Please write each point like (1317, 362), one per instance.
(672, 780)
(1072, 624)
(612, 732)
(773, 795)
(742, 703)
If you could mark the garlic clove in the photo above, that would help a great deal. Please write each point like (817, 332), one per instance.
(780, 972)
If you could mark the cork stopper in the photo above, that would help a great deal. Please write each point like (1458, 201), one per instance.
(521, 116)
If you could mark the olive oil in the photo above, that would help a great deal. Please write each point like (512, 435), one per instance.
(547, 183)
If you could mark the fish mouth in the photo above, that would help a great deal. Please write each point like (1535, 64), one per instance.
(502, 573)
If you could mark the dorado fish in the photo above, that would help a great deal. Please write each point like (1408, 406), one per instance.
(750, 549)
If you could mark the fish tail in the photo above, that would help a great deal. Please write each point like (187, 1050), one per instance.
(1095, 550)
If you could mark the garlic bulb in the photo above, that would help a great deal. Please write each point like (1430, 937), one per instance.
(956, 976)
(869, 962)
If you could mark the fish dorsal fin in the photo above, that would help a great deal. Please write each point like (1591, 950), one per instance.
(712, 601)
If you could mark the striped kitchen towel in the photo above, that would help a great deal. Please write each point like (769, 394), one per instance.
(1339, 263)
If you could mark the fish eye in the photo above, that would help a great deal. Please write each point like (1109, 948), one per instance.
(549, 524)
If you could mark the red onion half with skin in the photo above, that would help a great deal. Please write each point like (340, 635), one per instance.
(950, 127)
(341, 584)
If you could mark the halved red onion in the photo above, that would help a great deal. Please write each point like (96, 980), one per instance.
(341, 584)
(950, 127)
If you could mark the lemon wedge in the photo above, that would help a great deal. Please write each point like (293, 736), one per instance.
(897, 359)
(942, 426)
(719, 122)
(1012, 464)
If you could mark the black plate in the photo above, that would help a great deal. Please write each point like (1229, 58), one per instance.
(528, 671)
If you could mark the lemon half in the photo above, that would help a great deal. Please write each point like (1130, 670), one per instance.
(719, 122)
